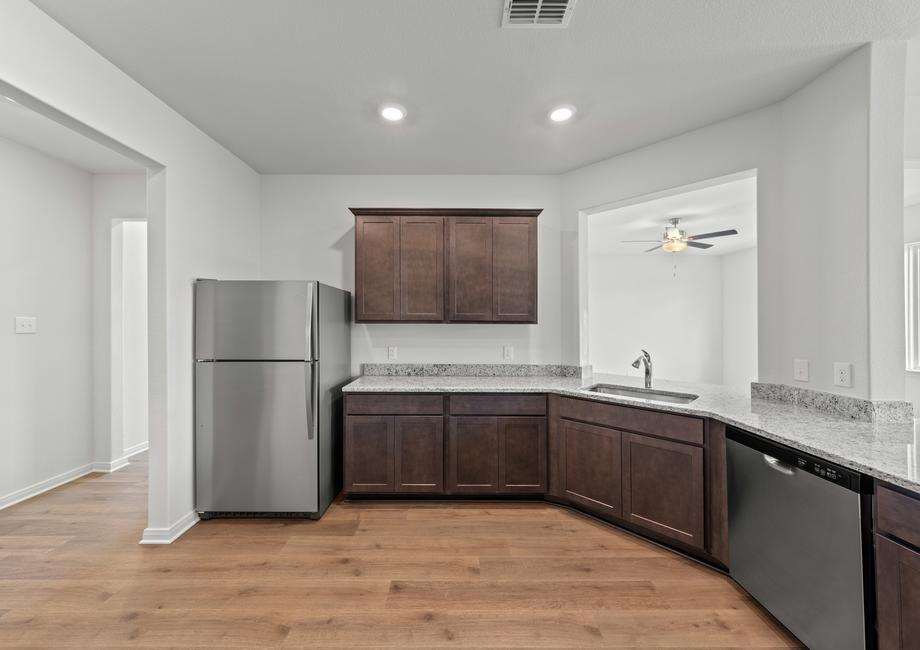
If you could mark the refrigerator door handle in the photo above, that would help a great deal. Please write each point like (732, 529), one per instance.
(313, 401)
(312, 322)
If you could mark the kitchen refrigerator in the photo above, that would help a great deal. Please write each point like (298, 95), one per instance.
(271, 358)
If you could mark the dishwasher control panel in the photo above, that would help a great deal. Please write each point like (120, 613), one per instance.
(832, 473)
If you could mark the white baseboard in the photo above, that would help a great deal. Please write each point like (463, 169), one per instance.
(112, 466)
(43, 486)
(171, 534)
(118, 463)
(136, 449)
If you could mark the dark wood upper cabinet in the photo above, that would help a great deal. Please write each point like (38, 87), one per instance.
(469, 268)
(514, 272)
(420, 453)
(421, 268)
(522, 455)
(472, 455)
(590, 464)
(446, 265)
(377, 268)
(663, 485)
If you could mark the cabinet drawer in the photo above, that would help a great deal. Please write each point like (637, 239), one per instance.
(401, 404)
(898, 515)
(498, 404)
(663, 425)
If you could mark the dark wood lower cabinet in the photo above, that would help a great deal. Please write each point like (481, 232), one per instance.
(490, 445)
(472, 455)
(663, 488)
(419, 452)
(369, 446)
(590, 463)
(522, 455)
(898, 595)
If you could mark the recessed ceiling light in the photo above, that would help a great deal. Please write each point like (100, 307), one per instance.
(562, 113)
(392, 112)
(9, 99)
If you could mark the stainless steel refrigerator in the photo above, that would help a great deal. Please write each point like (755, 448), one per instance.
(271, 358)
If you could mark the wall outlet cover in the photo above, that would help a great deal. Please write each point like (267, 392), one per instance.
(507, 353)
(26, 325)
(392, 353)
(800, 369)
(843, 374)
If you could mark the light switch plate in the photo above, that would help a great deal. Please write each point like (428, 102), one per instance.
(391, 353)
(507, 353)
(843, 374)
(26, 325)
(800, 369)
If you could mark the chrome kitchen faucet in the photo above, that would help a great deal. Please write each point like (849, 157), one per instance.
(645, 358)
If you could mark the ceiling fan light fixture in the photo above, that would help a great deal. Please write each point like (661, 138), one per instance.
(674, 246)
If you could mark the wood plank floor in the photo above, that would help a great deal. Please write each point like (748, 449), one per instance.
(367, 575)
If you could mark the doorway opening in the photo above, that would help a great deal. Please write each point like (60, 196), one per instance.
(129, 406)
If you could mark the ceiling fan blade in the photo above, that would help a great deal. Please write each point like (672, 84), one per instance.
(651, 250)
(640, 241)
(698, 244)
(710, 235)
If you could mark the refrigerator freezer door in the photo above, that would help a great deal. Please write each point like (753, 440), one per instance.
(255, 320)
(254, 451)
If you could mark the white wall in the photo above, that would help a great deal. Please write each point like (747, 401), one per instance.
(45, 271)
(911, 236)
(308, 233)
(203, 210)
(739, 318)
(115, 197)
(636, 302)
(812, 155)
(134, 333)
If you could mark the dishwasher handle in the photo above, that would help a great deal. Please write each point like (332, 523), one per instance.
(778, 465)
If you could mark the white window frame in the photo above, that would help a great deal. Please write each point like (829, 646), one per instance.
(912, 305)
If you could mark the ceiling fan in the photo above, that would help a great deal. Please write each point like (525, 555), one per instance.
(675, 240)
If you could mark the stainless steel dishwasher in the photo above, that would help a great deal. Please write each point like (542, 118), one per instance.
(799, 536)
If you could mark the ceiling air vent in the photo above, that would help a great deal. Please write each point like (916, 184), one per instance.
(537, 13)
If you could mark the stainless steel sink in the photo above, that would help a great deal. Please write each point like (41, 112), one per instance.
(644, 393)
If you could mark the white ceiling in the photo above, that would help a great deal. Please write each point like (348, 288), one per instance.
(293, 85)
(718, 207)
(25, 126)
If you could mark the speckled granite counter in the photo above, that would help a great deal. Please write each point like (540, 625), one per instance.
(887, 451)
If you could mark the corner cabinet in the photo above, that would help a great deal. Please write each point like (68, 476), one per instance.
(445, 265)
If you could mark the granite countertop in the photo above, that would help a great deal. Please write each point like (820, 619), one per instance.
(887, 451)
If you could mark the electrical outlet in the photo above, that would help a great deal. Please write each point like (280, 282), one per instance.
(800, 369)
(391, 353)
(507, 353)
(26, 325)
(843, 374)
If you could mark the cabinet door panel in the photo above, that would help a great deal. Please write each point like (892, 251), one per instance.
(663, 487)
(377, 268)
(591, 466)
(421, 268)
(522, 454)
(420, 453)
(470, 268)
(369, 444)
(898, 595)
(473, 455)
(514, 250)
